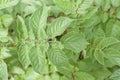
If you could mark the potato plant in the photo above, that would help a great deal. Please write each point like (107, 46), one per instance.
(59, 39)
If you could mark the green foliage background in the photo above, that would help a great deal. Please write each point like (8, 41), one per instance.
(59, 39)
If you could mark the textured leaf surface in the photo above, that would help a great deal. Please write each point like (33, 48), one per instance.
(58, 26)
(38, 22)
(65, 5)
(84, 76)
(7, 3)
(57, 57)
(74, 41)
(115, 75)
(98, 54)
(22, 29)
(23, 55)
(109, 41)
(37, 59)
(3, 71)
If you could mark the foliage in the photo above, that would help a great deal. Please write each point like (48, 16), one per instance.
(59, 39)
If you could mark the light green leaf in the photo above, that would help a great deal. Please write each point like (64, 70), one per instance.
(115, 3)
(112, 53)
(84, 6)
(6, 20)
(3, 32)
(98, 33)
(107, 4)
(99, 56)
(23, 55)
(98, 2)
(118, 13)
(84, 76)
(106, 42)
(116, 30)
(44, 46)
(109, 26)
(57, 57)
(3, 71)
(74, 41)
(55, 76)
(22, 28)
(58, 26)
(115, 75)
(37, 58)
(38, 22)
(7, 3)
(104, 17)
(65, 5)
(4, 35)
(4, 53)
(99, 73)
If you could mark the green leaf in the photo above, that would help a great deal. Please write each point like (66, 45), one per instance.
(37, 59)
(7, 3)
(74, 41)
(116, 30)
(106, 42)
(109, 26)
(106, 5)
(99, 56)
(4, 53)
(44, 46)
(58, 26)
(104, 17)
(3, 71)
(115, 3)
(3, 32)
(38, 22)
(3, 35)
(118, 13)
(55, 76)
(22, 28)
(83, 76)
(98, 33)
(6, 20)
(99, 74)
(23, 55)
(57, 57)
(84, 6)
(65, 5)
(111, 53)
(115, 75)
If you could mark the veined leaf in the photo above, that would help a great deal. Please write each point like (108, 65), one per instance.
(106, 42)
(57, 57)
(22, 29)
(38, 22)
(37, 59)
(58, 26)
(115, 75)
(115, 3)
(98, 54)
(84, 76)
(7, 3)
(3, 71)
(84, 6)
(74, 41)
(98, 74)
(116, 30)
(23, 55)
(3, 35)
(65, 5)
(111, 53)
(44, 46)
(6, 20)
